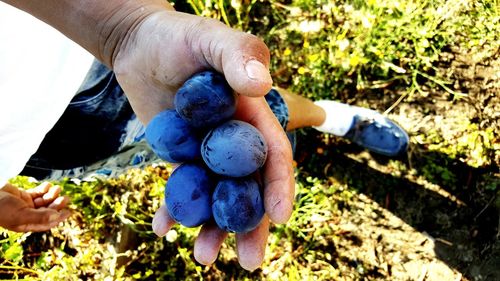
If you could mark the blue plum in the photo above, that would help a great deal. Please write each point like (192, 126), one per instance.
(188, 194)
(171, 137)
(237, 204)
(234, 149)
(205, 100)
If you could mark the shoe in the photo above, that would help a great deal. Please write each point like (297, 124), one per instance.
(368, 128)
(381, 136)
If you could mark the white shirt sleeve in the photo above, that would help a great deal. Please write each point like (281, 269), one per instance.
(40, 72)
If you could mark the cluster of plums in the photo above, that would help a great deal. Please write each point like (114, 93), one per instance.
(219, 156)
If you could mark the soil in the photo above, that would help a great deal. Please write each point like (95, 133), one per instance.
(407, 224)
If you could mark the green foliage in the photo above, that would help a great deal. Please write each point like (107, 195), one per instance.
(350, 49)
(86, 247)
(12, 251)
(321, 49)
(336, 46)
(475, 147)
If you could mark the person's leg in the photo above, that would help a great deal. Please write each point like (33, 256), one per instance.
(365, 127)
(302, 112)
(97, 134)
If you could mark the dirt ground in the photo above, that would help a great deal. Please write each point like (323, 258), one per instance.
(408, 225)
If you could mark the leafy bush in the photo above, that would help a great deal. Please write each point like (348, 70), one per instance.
(325, 48)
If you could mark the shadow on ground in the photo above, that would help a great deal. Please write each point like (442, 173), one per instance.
(441, 197)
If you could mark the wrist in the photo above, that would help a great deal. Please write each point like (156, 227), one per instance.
(119, 25)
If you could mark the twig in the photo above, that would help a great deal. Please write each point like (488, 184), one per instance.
(485, 207)
(423, 275)
(441, 83)
(446, 242)
(401, 98)
(8, 267)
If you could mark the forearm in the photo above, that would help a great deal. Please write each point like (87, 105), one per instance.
(98, 26)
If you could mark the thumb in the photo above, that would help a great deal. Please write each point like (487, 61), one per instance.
(243, 58)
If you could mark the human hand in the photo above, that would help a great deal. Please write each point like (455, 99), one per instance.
(162, 52)
(37, 209)
(153, 50)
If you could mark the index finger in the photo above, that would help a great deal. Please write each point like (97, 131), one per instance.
(40, 190)
(279, 182)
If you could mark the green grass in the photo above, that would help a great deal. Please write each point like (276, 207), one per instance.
(84, 245)
(357, 46)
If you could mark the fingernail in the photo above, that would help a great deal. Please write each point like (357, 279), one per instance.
(158, 227)
(281, 211)
(251, 268)
(53, 217)
(257, 71)
(279, 216)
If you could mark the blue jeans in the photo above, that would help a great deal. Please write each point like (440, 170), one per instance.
(99, 123)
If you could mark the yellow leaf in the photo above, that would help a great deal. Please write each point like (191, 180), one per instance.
(354, 60)
(14, 253)
(313, 57)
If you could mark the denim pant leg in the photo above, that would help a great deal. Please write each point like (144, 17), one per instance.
(99, 132)
(90, 129)
(280, 110)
